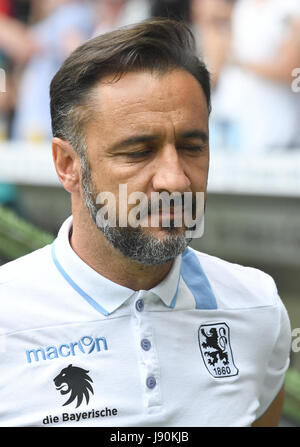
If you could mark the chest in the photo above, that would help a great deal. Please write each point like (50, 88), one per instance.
(179, 369)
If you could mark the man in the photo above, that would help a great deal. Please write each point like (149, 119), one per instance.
(259, 72)
(124, 325)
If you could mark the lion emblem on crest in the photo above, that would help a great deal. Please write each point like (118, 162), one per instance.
(215, 344)
(215, 347)
(76, 381)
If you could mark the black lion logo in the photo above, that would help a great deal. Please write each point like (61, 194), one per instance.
(77, 382)
(218, 343)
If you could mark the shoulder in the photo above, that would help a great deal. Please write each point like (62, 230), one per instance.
(236, 286)
(26, 266)
(25, 287)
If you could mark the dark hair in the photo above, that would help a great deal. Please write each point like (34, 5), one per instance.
(155, 45)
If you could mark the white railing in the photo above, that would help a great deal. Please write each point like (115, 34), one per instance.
(274, 174)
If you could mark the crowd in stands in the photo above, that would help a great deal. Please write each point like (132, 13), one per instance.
(251, 48)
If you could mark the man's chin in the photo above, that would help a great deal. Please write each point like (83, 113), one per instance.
(147, 246)
(161, 233)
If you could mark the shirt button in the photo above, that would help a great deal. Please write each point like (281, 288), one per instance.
(146, 344)
(139, 305)
(151, 382)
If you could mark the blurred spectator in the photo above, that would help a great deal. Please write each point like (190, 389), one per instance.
(175, 9)
(61, 26)
(253, 101)
(5, 7)
(16, 48)
(15, 41)
(111, 14)
(211, 23)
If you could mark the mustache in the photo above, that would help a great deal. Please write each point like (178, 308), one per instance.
(174, 210)
(154, 206)
(159, 205)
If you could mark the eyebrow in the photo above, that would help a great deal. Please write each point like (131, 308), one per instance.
(131, 141)
(195, 134)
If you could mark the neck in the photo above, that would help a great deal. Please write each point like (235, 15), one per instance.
(92, 247)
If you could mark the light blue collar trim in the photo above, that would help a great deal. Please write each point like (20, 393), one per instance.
(104, 295)
(196, 280)
(167, 289)
(186, 266)
(88, 283)
(78, 289)
(174, 299)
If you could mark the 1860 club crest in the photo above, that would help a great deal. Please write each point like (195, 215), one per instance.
(214, 342)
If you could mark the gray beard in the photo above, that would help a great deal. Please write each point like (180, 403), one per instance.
(144, 248)
(133, 243)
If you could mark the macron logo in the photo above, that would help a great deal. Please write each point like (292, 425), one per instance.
(86, 345)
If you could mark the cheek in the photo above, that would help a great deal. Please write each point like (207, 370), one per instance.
(107, 175)
(113, 174)
(196, 167)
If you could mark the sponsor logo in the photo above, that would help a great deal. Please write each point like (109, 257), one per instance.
(214, 343)
(77, 384)
(86, 345)
(76, 381)
(80, 416)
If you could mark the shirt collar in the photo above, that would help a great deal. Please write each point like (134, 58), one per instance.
(104, 295)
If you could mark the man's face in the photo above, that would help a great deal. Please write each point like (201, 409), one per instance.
(150, 133)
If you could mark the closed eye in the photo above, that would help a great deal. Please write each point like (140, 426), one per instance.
(142, 154)
(192, 148)
(138, 154)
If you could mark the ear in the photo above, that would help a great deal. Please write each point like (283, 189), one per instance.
(67, 164)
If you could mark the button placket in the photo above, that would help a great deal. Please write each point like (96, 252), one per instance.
(147, 353)
(139, 305)
(151, 382)
(146, 344)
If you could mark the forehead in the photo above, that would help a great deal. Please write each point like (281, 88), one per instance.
(144, 99)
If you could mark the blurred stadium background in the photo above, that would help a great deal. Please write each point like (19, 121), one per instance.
(252, 48)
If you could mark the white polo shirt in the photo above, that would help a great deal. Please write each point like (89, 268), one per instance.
(208, 346)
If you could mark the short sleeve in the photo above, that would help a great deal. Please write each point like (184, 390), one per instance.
(278, 362)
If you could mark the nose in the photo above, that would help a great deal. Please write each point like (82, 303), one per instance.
(169, 173)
